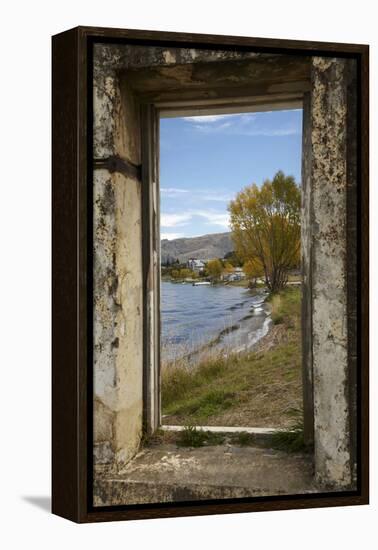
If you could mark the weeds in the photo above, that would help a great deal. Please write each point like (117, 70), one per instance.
(285, 307)
(191, 436)
(277, 319)
(243, 439)
(179, 381)
(291, 440)
(159, 437)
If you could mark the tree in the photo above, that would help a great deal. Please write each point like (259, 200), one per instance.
(214, 269)
(228, 267)
(265, 225)
(185, 273)
(233, 259)
(253, 269)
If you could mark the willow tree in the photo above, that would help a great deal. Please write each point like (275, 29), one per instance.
(253, 270)
(214, 269)
(265, 225)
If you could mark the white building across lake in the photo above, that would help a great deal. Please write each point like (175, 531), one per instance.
(196, 265)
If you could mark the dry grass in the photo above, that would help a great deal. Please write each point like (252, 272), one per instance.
(260, 388)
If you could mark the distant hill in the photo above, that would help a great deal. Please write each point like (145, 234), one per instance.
(206, 247)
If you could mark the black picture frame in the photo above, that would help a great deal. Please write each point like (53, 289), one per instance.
(72, 433)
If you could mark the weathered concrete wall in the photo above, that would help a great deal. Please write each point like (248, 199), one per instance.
(118, 285)
(123, 56)
(118, 320)
(331, 377)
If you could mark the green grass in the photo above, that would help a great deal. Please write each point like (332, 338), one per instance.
(286, 307)
(256, 387)
(291, 441)
(179, 384)
(208, 403)
(191, 436)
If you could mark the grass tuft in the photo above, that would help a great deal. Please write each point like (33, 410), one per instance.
(291, 440)
(191, 436)
(286, 307)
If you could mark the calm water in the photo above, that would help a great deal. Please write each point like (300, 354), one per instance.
(194, 315)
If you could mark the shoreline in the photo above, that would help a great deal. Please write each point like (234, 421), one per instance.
(239, 337)
(261, 386)
(248, 332)
(242, 283)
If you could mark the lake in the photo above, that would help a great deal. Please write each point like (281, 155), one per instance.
(193, 316)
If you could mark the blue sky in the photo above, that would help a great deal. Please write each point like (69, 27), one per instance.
(205, 161)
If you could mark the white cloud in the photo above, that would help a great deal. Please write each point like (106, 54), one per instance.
(213, 128)
(172, 192)
(213, 196)
(205, 119)
(290, 131)
(175, 220)
(214, 218)
(171, 236)
(211, 217)
(175, 190)
(244, 124)
(203, 194)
